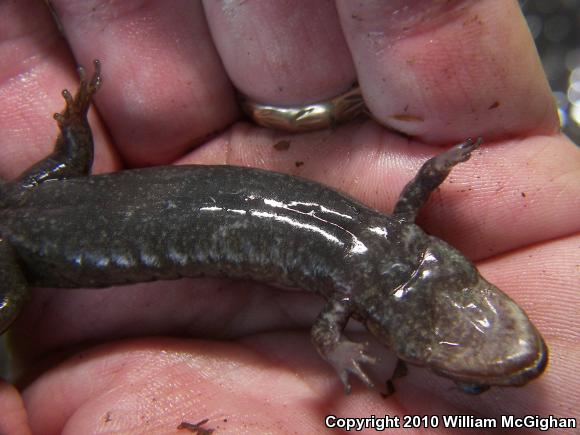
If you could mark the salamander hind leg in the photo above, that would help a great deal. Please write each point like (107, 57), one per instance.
(433, 172)
(75, 111)
(344, 355)
(73, 151)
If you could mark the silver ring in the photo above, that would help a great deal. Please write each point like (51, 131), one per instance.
(309, 117)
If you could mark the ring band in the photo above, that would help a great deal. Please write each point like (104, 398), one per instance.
(309, 117)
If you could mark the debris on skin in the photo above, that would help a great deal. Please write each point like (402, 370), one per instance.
(196, 427)
(282, 145)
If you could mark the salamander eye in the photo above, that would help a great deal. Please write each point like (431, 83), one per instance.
(472, 388)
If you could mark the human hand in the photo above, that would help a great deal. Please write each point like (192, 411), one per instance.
(438, 75)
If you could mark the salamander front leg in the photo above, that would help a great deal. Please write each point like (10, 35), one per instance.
(73, 151)
(344, 355)
(430, 176)
(13, 286)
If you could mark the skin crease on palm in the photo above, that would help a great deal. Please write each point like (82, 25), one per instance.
(144, 358)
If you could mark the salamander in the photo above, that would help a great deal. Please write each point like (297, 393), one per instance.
(419, 296)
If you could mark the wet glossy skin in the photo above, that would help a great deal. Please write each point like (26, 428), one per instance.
(414, 292)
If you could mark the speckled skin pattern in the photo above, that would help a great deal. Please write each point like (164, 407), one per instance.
(414, 292)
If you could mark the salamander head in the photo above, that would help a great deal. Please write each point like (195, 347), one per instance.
(484, 338)
(450, 319)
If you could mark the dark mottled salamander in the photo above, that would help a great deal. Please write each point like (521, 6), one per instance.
(414, 292)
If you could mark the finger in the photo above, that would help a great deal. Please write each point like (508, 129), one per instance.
(282, 52)
(14, 417)
(164, 88)
(444, 71)
(35, 65)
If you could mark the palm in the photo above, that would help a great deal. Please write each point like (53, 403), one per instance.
(511, 208)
